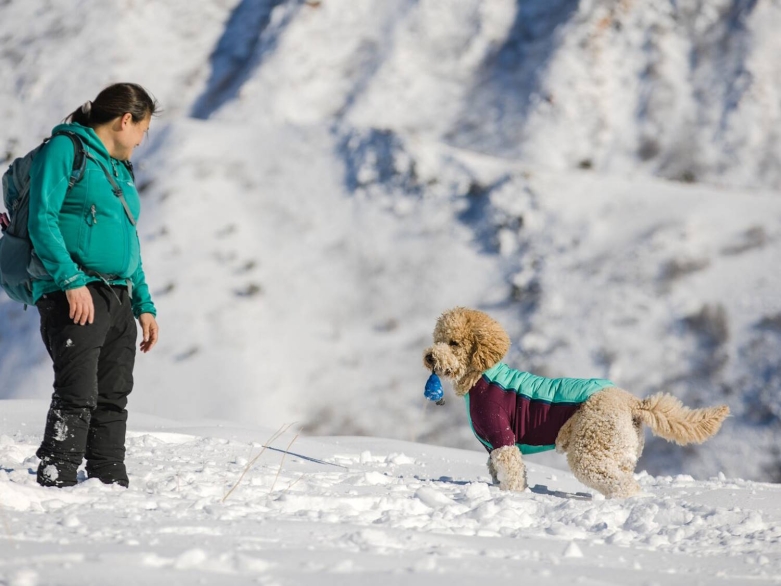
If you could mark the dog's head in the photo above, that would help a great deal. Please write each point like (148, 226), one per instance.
(466, 343)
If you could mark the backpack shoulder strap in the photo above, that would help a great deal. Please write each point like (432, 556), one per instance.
(114, 187)
(80, 159)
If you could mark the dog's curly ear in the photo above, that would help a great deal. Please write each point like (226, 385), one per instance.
(491, 343)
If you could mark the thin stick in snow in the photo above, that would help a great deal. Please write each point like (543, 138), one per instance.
(292, 484)
(251, 463)
(283, 461)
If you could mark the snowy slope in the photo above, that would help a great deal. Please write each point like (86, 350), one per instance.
(327, 177)
(686, 89)
(347, 510)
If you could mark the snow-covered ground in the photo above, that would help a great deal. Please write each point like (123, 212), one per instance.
(208, 505)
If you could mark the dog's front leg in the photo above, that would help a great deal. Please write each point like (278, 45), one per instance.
(509, 467)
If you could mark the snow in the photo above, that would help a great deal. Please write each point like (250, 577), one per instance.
(324, 180)
(347, 510)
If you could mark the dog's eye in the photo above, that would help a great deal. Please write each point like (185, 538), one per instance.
(453, 343)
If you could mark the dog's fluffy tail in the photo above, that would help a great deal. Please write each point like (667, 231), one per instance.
(670, 419)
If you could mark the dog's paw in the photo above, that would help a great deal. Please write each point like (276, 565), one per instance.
(512, 482)
(513, 485)
(509, 468)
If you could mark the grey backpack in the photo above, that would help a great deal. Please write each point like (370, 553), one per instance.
(19, 264)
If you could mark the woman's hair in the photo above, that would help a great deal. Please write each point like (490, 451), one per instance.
(116, 100)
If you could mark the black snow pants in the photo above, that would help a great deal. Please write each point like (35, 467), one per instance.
(93, 376)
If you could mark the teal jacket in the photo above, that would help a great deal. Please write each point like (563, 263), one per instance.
(84, 229)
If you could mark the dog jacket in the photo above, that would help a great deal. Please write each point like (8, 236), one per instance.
(507, 406)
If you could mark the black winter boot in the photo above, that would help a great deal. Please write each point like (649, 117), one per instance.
(109, 473)
(62, 449)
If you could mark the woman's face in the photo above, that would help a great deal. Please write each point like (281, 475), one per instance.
(130, 135)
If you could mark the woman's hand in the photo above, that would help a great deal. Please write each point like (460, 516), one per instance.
(82, 310)
(150, 328)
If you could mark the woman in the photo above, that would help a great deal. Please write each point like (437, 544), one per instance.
(85, 236)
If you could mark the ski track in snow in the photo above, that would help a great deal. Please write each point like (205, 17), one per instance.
(358, 506)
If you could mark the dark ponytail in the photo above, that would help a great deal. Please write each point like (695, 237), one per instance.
(114, 101)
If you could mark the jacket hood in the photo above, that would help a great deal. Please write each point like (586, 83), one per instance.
(91, 140)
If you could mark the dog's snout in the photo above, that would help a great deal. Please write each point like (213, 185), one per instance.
(430, 359)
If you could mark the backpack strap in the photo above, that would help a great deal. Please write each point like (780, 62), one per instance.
(79, 160)
(114, 187)
(84, 154)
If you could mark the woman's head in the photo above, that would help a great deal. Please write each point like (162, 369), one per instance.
(120, 115)
(113, 102)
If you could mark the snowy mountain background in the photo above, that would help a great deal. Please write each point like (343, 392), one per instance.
(328, 176)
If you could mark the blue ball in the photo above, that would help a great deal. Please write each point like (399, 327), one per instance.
(433, 390)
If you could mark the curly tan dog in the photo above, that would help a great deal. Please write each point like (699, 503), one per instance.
(511, 412)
